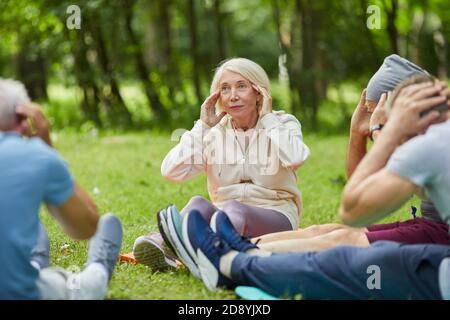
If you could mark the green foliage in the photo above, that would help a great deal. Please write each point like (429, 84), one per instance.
(326, 45)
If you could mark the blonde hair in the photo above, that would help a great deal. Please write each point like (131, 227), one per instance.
(416, 79)
(12, 94)
(250, 70)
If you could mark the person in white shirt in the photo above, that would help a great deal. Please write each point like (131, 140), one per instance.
(249, 153)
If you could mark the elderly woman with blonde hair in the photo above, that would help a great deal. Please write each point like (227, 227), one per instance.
(249, 152)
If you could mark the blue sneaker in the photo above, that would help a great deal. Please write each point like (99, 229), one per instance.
(207, 249)
(221, 224)
(40, 254)
(444, 278)
(104, 246)
(175, 237)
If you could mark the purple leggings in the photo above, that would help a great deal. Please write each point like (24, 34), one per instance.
(248, 220)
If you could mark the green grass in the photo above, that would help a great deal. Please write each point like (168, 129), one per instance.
(125, 173)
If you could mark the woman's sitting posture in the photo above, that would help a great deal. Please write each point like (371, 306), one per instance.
(249, 153)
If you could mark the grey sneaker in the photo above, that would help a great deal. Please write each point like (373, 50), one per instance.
(41, 251)
(104, 246)
(444, 278)
(150, 251)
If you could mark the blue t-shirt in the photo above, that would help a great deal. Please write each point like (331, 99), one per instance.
(30, 173)
(425, 161)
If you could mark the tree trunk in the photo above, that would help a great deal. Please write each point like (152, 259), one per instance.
(166, 41)
(114, 97)
(295, 55)
(32, 72)
(82, 70)
(375, 59)
(143, 70)
(285, 51)
(191, 18)
(391, 27)
(419, 20)
(219, 30)
(277, 20)
(90, 106)
(308, 88)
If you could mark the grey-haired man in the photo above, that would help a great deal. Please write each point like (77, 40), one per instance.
(367, 122)
(32, 173)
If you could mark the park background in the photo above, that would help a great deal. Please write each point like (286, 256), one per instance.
(117, 82)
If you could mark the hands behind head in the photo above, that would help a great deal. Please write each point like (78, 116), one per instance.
(32, 122)
(265, 106)
(406, 120)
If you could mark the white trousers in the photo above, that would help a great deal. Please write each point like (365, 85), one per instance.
(60, 284)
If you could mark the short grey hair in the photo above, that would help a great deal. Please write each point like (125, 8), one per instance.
(416, 79)
(12, 94)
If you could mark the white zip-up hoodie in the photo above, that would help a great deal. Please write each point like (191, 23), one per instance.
(263, 175)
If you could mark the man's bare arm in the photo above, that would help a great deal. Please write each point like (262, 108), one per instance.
(78, 215)
(377, 196)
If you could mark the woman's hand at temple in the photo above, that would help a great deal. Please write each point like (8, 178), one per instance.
(208, 111)
(266, 103)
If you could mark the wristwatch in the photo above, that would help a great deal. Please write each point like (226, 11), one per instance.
(374, 128)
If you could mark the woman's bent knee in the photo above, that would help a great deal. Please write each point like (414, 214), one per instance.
(197, 200)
